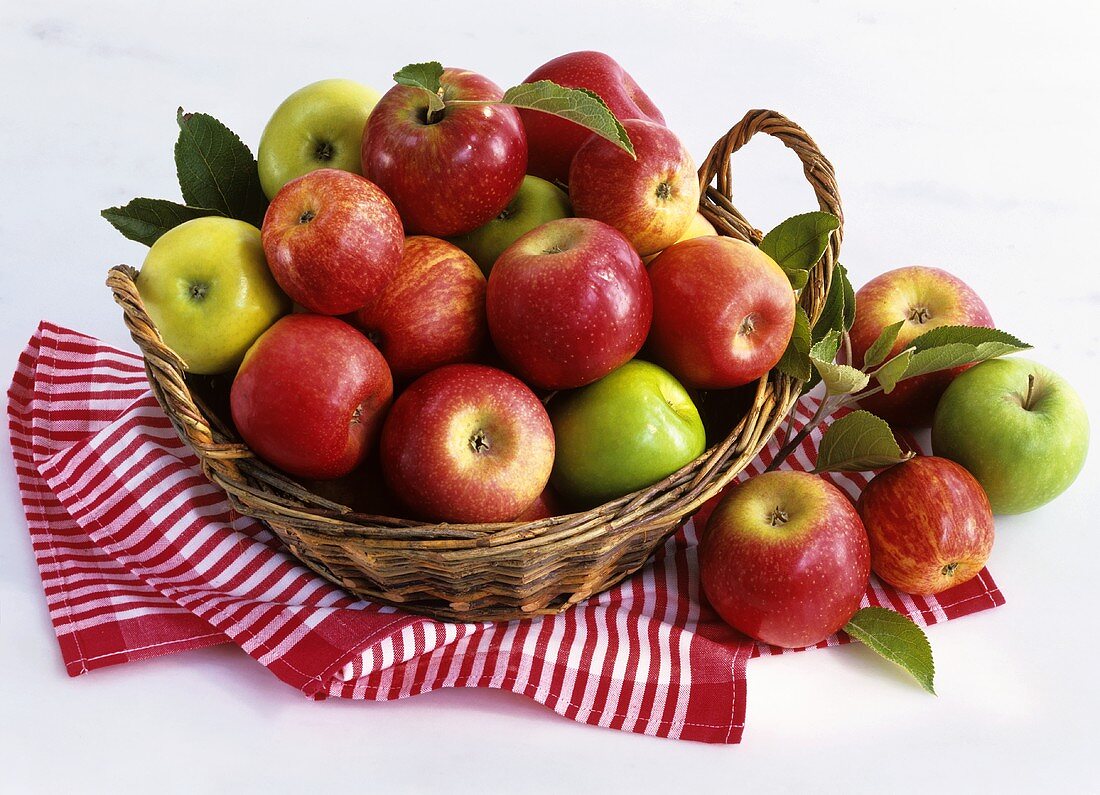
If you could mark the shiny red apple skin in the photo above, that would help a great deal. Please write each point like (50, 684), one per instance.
(552, 141)
(924, 298)
(545, 505)
(723, 312)
(467, 443)
(929, 523)
(310, 396)
(651, 199)
(332, 240)
(790, 584)
(456, 174)
(568, 302)
(431, 313)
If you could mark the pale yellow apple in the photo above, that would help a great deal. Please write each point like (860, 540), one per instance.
(699, 226)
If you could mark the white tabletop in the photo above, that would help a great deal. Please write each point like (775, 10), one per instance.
(964, 138)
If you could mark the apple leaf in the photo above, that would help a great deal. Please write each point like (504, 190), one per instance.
(578, 105)
(145, 220)
(849, 299)
(799, 242)
(833, 315)
(826, 348)
(839, 379)
(893, 371)
(857, 442)
(216, 169)
(951, 346)
(971, 335)
(795, 361)
(425, 76)
(896, 638)
(879, 349)
(797, 278)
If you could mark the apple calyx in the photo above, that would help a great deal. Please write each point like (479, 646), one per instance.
(357, 415)
(306, 217)
(778, 517)
(324, 151)
(198, 292)
(479, 442)
(949, 569)
(748, 326)
(664, 191)
(919, 315)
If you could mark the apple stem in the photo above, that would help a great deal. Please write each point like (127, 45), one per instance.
(826, 405)
(1030, 391)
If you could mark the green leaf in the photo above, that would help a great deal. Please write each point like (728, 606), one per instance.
(839, 379)
(425, 76)
(849, 299)
(881, 347)
(896, 638)
(893, 371)
(145, 220)
(951, 346)
(216, 170)
(797, 278)
(578, 105)
(832, 315)
(826, 348)
(858, 442)
(799, 242)
(796, 358)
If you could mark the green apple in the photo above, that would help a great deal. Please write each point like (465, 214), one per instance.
(622, 433)
(536, 202)
(319, 126)
(206, 286)
(1018, 427)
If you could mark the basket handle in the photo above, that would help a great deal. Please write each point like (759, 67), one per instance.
(716, 202)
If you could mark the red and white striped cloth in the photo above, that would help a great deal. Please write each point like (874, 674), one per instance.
(141, 556)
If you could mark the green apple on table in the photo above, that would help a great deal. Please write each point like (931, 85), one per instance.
(318, 126)
(207, 288)
(1018, 427)
(536, 202)
(622, 433)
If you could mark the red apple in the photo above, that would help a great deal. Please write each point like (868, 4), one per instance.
(332, 240)
(310, 396)
(452, 171)
(551, 140)
(785, 559)
(467, 443)
(568, 302)
(432, 312)
(924, 298)
(929, 523)
(723, 312)
(545, 505)
(651, 199)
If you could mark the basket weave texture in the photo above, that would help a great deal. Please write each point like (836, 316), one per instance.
(508, 570)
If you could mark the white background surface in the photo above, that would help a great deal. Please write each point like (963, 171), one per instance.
(964, 136)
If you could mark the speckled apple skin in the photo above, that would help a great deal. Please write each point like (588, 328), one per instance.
(567, 318)
(792, 585)
(430, 463)
(892, 296)
(552, 141)
(332, 240)
(704, 291)
(431, 313)
(921, 516)
(452, 176)
(310, 396)
(605, 183)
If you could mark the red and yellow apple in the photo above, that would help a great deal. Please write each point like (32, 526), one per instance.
(699, 226)
(651, 199)
(723, 312)
(448, 171)
(467, 443)
(785, 558)
(431, 313)
(553, 141)
(568, 303)
(924, 298)
(310, 396)
(333, 240)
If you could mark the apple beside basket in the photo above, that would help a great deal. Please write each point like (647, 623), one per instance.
(491, 572)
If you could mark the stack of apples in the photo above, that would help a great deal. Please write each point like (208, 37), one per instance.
(471, 299)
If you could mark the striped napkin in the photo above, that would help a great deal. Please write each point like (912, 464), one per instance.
(141, 556)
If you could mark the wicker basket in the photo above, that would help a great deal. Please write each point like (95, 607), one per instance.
(495, 571)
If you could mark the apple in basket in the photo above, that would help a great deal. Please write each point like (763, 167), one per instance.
(318, 126)
(310, 396)
(723, 312)
(568, 303)
(552, 141)
(431, 313)
(651, 199)
(467, 443)
(448, 171)
(333, 240)
(785, 558)
(929, 524)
